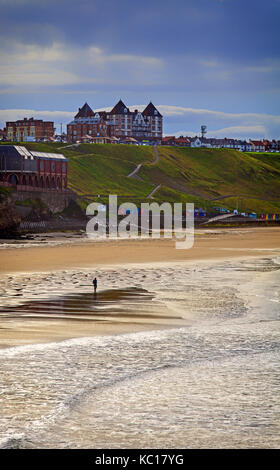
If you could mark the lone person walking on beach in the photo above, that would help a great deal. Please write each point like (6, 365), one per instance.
(94, 282)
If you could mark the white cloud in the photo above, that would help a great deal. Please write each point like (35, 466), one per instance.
(25, 65)
(32, 53)
(209, 63)
(267, 66)
(99, 56)
(239, 132)
(234, 132)
(18, 76)
(168, 110)
(30, 64)
(15, 114)
(219, 123)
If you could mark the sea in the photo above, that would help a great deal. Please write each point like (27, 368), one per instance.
(208, 379)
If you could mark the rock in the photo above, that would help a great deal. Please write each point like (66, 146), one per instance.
(9, 218)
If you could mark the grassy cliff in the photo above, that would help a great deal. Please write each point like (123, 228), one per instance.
(207, 177)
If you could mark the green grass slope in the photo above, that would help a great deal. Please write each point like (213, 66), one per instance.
(207, 177)
(229, 176)
(103, 169)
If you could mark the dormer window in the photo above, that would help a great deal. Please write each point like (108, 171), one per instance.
(125, 110)
(156, 111)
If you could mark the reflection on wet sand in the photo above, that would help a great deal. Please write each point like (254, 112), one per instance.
(92, 306)
(82, 313)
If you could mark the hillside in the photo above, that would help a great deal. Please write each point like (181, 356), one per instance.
(207, 177)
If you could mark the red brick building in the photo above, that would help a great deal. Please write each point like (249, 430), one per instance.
(88, 125)
(30, 170)
(29, 129)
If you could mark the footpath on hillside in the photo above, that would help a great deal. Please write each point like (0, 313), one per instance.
(134, 173)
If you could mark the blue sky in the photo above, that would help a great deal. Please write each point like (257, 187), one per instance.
(212, 62)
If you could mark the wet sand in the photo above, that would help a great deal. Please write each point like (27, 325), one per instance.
(216, 244)
(32, 273)
(109, 312)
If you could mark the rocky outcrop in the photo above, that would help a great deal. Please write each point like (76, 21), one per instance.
(33, 209)
(23, 212)
(9, 218)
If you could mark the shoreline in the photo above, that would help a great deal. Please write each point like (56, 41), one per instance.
(89, 254)
(45, 268)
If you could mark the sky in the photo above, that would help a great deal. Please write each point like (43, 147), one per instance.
(201, 62)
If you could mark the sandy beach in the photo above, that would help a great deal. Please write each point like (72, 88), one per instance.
(59, 267)
(177, 347)
(208, 245)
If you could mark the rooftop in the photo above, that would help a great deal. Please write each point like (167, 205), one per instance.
(120, 108)
(84, 112)
(57, 156)
(24, 152)
(151, 110)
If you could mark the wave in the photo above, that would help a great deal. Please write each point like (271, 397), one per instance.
(99, 341)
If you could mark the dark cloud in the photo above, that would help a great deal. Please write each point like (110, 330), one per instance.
(218, 54)
(228, 29)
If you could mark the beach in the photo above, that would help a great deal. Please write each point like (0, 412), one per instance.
(177, 349)
(68, 253)
(55, 265)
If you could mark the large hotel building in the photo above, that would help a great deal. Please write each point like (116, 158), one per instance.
(119, 124)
